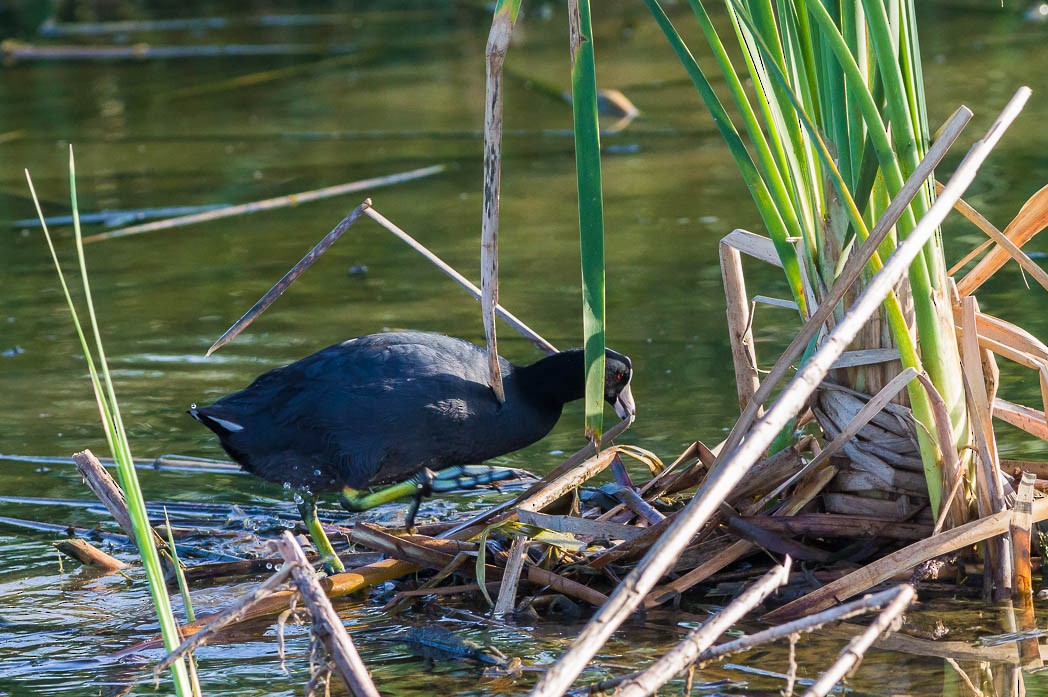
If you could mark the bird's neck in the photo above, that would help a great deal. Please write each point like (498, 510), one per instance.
(559, 378)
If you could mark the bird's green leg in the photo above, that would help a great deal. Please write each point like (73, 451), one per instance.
(307, 507)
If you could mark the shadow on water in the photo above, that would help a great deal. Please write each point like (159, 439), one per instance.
(207, 131)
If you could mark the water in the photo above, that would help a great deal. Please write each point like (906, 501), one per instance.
(179, 132)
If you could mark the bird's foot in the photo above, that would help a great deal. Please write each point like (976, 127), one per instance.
(469, 477)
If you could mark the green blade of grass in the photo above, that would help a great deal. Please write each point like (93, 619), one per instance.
(105, 398)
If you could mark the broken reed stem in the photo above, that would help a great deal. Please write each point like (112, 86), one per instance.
(269, 203)
(1030, 220)
(736, 462)
(284, 283)
(87, 554)
(990, 494)
(105, 488)
(326, 622)
(698, 640)
(953, 475)
(901, 560)
(740, 332)
(1022, 522)
(498, 44)
(856, 648)
(507, 316)
(511, 576)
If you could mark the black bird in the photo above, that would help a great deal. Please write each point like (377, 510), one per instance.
(394, 407)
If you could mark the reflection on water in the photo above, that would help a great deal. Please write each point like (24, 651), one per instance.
(207, 131)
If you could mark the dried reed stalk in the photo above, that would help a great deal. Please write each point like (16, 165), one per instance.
(88, 555)
(1031, 219)
(326, 623)
(270, 203)
(495, 52)
(284, 283)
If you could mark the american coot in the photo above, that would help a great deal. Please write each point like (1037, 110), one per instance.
(395, 406)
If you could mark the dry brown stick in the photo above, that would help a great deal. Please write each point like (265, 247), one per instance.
(1022, 521)
(105, 488)
(495, 52)
(1031, 219)
(989, 493)
(853, 269)
(835, 525)
(740, 333)
(698, 640)
(514, 565)
(269, 204)
(736, 463)
(326, 622)
(906, 558)
(419, 552)
(977, 219)
(1026, 418)
(964, 677)
(508, 317)
(951, 462)
(87, 554)
(1002, 239)
(736, 550)
(284, 283)
(853, 653)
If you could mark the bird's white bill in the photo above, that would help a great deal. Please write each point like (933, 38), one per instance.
(625, 407)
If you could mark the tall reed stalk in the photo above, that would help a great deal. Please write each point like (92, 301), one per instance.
(835, 123)
(116, 437)
(591, 207)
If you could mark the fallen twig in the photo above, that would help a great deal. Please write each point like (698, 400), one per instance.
(270, 203)
(326, 623)
(88, 555)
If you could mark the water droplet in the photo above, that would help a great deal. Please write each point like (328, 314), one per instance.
(317, 472)
(193, 405)
(287, 486)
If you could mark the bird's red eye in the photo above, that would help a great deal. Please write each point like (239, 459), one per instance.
(619, 375)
